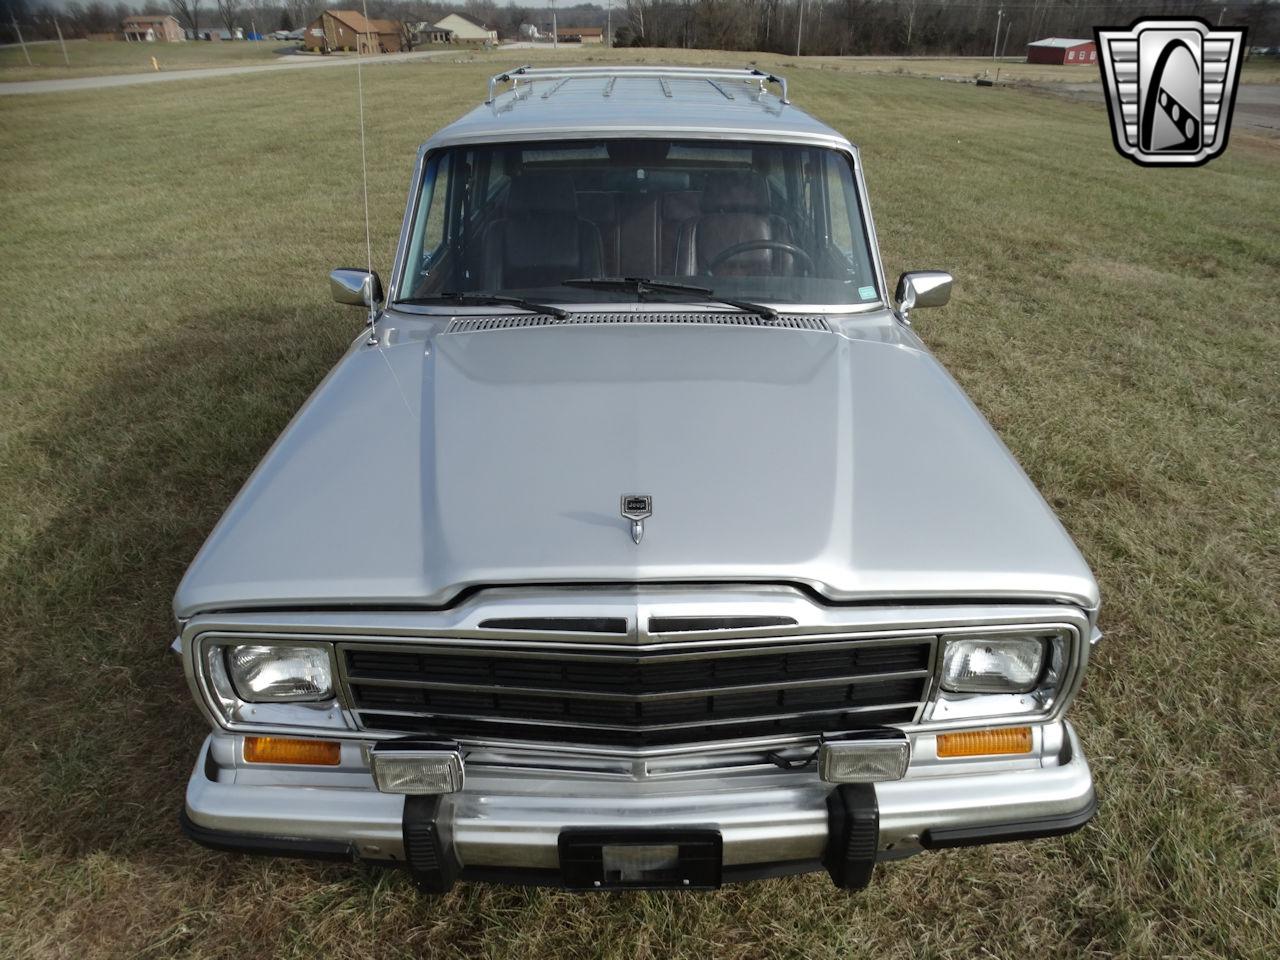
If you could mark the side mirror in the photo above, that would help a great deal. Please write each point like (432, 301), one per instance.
(359, 288)
(922, 288)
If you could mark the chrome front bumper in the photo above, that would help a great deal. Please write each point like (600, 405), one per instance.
(506, 825)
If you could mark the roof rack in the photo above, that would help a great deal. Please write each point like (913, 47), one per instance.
(662, 74)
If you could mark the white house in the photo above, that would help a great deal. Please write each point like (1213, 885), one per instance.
(466, 30)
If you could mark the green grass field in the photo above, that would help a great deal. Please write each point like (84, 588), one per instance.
(93, 58)
(166, 311)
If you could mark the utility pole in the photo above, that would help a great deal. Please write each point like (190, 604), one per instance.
(995, 46)
(555, 30)
(799, 25)
(1004, 46)
(608, 24)
(22, 43)
(65, 58)
(1221, 14)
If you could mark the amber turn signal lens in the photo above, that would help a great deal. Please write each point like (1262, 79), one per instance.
(322, 753)
(985, 743)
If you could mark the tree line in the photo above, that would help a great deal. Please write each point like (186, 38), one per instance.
(909, 27)
(805, 27)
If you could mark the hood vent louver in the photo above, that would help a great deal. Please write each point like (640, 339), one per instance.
(698, 624)
(558, 624)
(708, 317)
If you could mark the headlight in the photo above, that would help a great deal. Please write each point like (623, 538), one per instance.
(995, 665)
(1002, 674)
(283, 686)
(280, 674)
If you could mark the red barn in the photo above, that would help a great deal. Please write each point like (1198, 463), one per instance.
(1061, 51)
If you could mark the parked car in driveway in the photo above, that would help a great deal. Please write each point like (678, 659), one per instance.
(638, 541)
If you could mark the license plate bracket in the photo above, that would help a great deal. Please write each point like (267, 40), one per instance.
(658, 859)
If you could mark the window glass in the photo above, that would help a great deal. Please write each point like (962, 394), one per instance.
(428, 237)
(841, 216)
(772, 223)
(433, 229)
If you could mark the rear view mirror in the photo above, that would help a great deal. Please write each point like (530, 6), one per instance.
(922, 288)
(359, 288)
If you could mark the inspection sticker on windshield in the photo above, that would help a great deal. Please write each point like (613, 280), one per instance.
(867, 293)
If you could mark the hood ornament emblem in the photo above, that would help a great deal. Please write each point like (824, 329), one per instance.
(637, 508)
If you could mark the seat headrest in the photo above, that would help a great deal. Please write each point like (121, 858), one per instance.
(739, 190)
(541, 194)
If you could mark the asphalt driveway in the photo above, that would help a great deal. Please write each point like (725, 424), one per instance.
(1257, 104)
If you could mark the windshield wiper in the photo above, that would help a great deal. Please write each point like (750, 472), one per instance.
(641, 286)
(482, 299)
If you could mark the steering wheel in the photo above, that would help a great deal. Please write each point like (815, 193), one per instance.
(805, 261)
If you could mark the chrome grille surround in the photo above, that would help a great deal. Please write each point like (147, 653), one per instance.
(463, 625)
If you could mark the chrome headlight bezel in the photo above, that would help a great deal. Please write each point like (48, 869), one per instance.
(234, 711)
(1034, 700)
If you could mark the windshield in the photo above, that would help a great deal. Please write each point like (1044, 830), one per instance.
(777, 223)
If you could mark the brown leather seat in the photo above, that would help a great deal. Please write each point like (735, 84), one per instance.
(542, 240)
(735, 209)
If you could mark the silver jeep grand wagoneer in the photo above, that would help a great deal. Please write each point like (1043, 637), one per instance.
(638, 542)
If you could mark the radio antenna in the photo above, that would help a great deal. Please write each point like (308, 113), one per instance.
(364, 178)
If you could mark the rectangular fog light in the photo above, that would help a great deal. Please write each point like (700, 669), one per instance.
(863, 761)
(416, 771)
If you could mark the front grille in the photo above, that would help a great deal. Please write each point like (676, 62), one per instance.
(633, 697)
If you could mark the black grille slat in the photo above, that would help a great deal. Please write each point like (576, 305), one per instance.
(463, 728)
(374, 662)
(893, 659)
(692, 709)
(616, 673)
(637, 697)
(390, 698)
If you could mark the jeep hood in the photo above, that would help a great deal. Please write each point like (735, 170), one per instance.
(418, 469)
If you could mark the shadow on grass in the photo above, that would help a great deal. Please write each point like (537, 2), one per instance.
(100, 729)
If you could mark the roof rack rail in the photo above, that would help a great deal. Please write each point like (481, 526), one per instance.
(529, 74)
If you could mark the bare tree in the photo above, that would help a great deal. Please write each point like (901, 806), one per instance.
(635, 13)
(301, 12)
(188, 14)
(229, 11)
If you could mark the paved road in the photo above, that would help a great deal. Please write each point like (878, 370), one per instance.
(1257, 104)
(294, 62)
